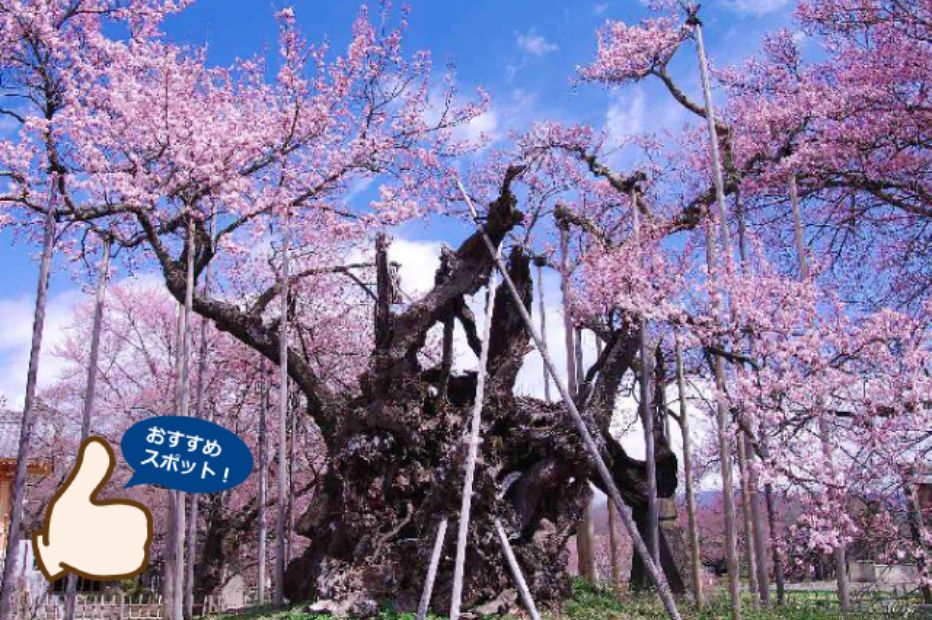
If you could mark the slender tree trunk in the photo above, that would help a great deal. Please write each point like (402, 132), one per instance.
(917, 530)
(446, 361)
(750, 553)
(614, 540)
(292, 428)
(584, 530)
(29, 413)
(194, 517)
(471, 454)
(542, 309)
(90, 391)
(757, 523)
(567, 317)
(695, 561)
(614, 544)
(263, 483)
(171, 534)
(279, 599)
(773, 526)
(586, 522)
(840, 552)
(184, 409)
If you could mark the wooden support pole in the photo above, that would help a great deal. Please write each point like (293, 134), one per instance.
(428, 590)
(539, 262)
(262, 554)
(472, 450)
(516, 573)
(840, 552)
(8, 585)
(184, 409)
(695, 561)
(592, 448)
(646, 409)
(585, 555)
(90, 390)
(279, 598)
(718, 179)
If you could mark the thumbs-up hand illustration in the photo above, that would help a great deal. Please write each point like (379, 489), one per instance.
(94, 539)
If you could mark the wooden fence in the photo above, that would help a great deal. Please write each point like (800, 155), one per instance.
(119, 606)
(865, 603)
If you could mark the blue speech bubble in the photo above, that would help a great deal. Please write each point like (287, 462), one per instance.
(185, 454)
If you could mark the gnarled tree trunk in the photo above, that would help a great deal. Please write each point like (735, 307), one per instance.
(396, 449)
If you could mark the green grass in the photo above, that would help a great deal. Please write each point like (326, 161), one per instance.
(593, 603)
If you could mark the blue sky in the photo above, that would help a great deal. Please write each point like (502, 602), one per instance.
(523, 52)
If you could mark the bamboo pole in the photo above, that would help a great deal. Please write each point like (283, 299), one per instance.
(279, 598)
(584, 531)
(90, 390)
(472, 451)
(647, 417)
(750, 551)
(695, 561)
(263, 483)
(292, 429)
(516, 573)
(749, 475)
(591, 448)
(542, 309)
(613, 540)
(568, 339)
(840, 552)
(724, 448)
(428, 590)
(7, 586)
(731, 554)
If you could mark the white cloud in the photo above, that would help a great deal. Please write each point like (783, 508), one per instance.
(481, 129)
(626, 114)
(755, 7)
(16, 339)
(599, 8)
(535, 44)
(418, 262)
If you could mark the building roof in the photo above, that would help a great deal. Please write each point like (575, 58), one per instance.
(10, 423)
(9, 434)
